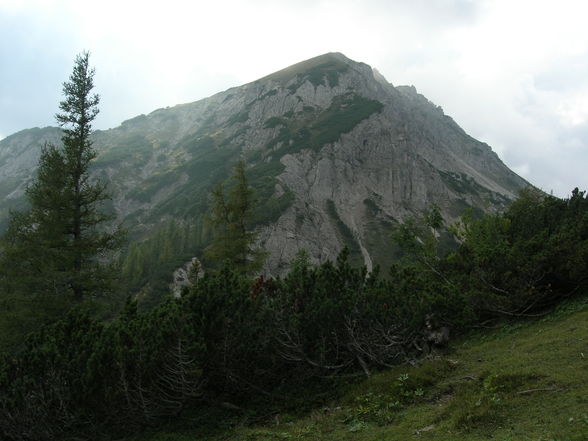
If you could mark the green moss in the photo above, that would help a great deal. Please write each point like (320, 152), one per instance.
(273, 122)
(134, 149)
(264, 170)
(269, 93)
(315, 70)
(461, 183)
(263, 180)
(292, 88)
(271, 209)
(326, 74)
(341, 117)
(373, 208)
(229, 140)
(240, 117)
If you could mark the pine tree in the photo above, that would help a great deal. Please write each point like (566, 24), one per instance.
(231, 219)
(61, 241)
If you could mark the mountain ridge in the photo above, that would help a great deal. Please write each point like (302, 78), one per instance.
(335, 153)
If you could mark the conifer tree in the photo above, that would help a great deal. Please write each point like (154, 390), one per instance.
(231, 219)
(60, 244)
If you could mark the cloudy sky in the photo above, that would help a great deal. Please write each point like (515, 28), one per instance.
(512, 73)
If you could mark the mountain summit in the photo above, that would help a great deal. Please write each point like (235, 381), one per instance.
(336, 154)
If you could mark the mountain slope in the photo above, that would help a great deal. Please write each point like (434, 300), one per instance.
(336, 154)
(525, 381)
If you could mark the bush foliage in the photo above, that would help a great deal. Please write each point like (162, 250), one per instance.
(231, 341)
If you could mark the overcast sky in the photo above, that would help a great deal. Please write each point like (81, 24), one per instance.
(512, 73)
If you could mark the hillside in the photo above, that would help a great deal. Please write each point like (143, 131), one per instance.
(523, 381)
(233, 351)
(337, 157)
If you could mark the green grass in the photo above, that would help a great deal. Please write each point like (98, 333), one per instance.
(134, 149)
(461, 183)
(262, 178)
(314, 131)
(342, 116)
(240, 117)
(329, 71)
(524, 381)
(315, 70)
(274, 121)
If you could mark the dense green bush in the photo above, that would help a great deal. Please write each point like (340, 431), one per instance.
(525, 260)
(242, 343)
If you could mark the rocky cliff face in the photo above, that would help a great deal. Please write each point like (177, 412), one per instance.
(336, 154)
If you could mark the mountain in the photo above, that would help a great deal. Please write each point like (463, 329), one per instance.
(336, 154)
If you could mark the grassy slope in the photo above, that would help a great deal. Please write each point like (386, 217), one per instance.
(523, 382)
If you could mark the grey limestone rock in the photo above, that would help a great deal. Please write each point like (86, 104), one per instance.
(355, 155)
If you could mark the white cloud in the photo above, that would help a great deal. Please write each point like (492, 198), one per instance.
(573, 110)
(512, 77)
(512, 73)
(523, 170)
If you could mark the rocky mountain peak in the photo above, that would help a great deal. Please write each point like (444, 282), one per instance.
(336, 154)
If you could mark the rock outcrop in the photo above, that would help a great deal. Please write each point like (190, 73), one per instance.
(336, 154)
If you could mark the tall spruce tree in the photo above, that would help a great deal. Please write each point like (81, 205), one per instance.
(60, 245)
(231, 219)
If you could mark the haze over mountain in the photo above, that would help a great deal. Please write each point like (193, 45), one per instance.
(336, 154)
